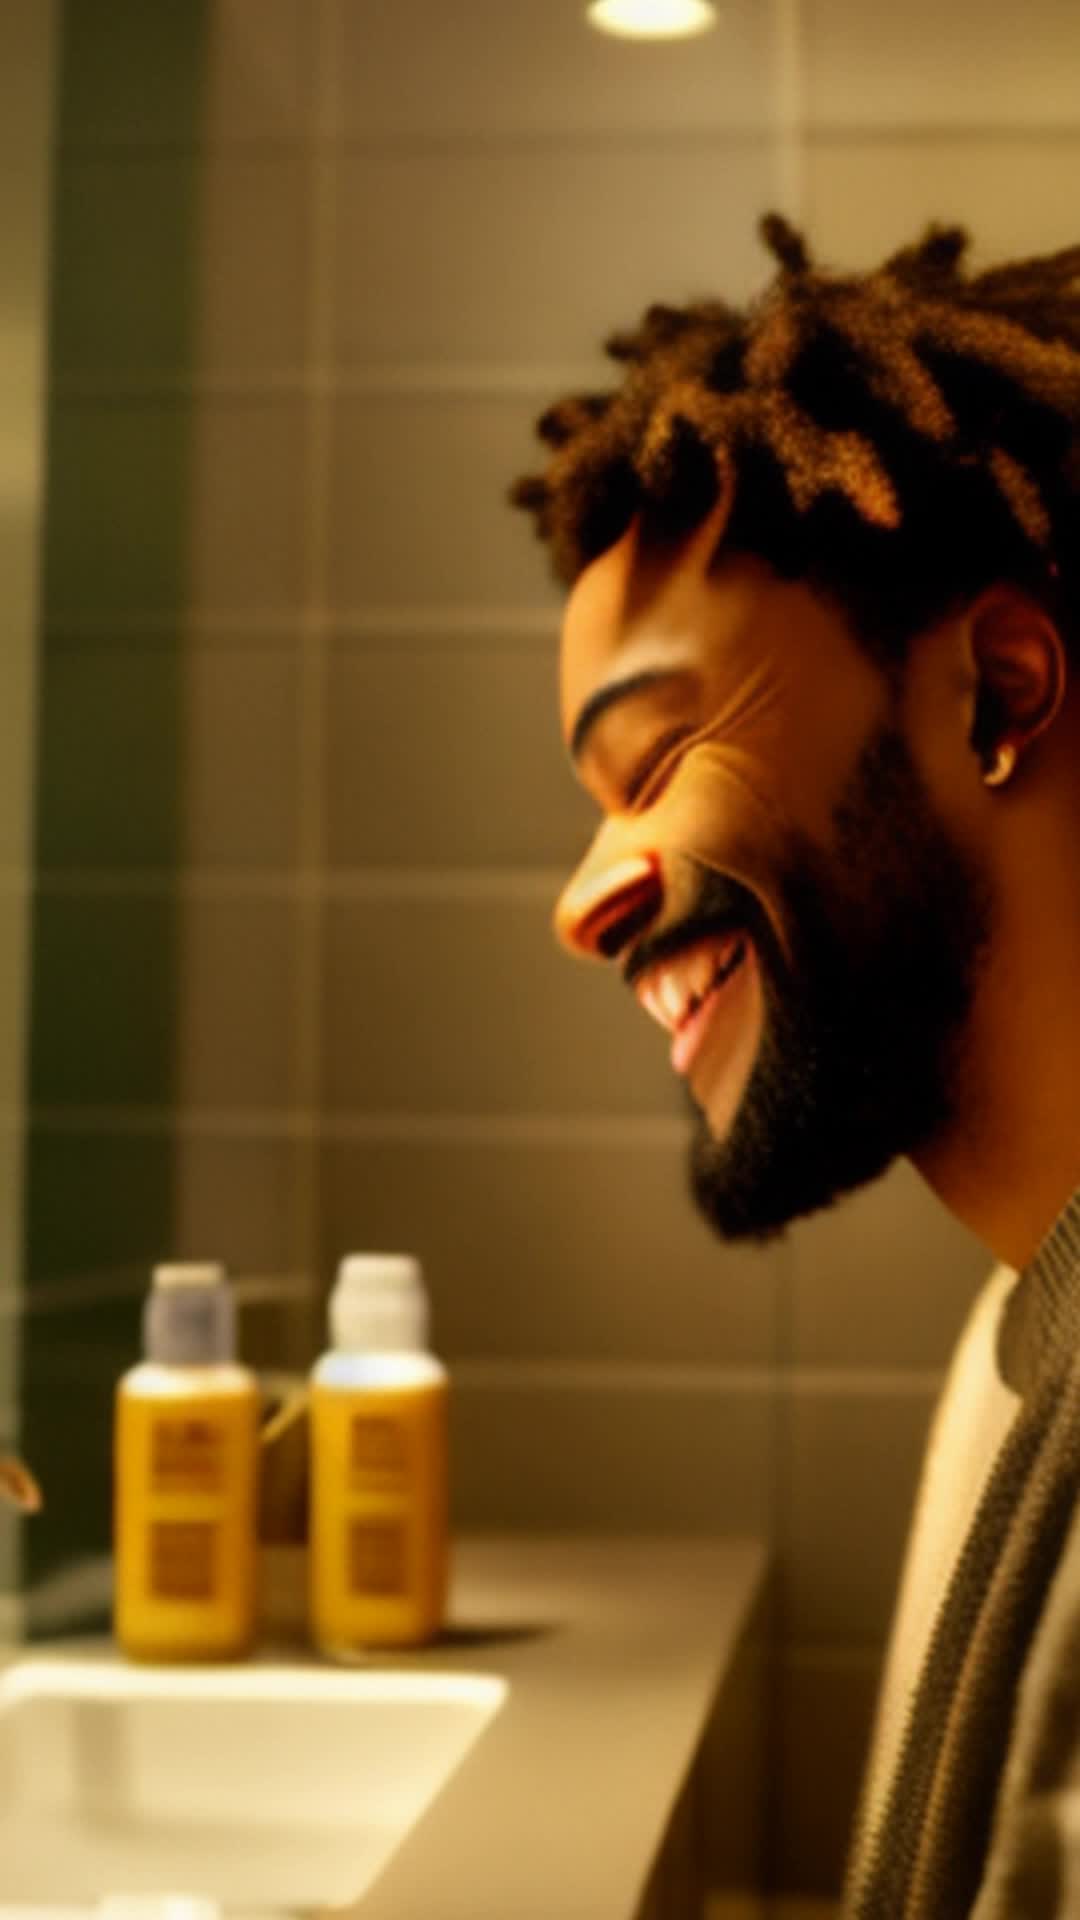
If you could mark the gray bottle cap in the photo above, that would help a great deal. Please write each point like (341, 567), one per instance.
(189, 1319)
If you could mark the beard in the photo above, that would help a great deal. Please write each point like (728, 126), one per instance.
(861, 1053)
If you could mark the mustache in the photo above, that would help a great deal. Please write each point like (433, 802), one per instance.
(722, 906)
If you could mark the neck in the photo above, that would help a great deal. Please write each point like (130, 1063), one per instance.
(1011, 1159)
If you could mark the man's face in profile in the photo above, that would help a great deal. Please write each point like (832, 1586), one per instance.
(771, 874)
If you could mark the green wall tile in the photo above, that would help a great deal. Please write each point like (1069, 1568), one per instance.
(97, 1202)
(132, 70)
(117, 509)
(103, 1010)
(71, 1362)
(109, 749)
(126, 239)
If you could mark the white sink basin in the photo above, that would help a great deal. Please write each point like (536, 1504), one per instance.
(272, 1790)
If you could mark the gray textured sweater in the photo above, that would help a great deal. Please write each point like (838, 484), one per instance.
(977, 1819)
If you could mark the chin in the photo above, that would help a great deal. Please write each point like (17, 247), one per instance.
(755, 1180)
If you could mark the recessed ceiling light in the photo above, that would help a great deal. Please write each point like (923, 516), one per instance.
(651, 19)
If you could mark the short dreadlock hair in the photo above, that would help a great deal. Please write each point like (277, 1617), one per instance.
(897, 439)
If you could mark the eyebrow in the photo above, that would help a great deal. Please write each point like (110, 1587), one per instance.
(609, 695)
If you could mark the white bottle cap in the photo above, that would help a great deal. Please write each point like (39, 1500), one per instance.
(189, 1319)
(378, 1304)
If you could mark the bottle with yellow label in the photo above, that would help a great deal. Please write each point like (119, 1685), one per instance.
(185, 1469)
(379, 1524)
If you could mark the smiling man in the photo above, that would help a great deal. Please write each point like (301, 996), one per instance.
(819, 673)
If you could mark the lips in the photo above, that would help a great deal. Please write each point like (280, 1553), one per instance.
(683, 991)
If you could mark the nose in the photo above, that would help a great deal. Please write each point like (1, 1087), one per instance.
(604, 907)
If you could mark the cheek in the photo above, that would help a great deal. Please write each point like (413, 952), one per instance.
(791, 722)
(934, 723)
(772, 764)
(717, 813)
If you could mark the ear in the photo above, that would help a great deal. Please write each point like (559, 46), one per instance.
(1020, 674)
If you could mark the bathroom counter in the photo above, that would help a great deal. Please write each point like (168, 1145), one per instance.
(614, 1651)
(620, 1771)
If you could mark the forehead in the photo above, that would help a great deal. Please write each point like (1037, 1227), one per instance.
(640, 606)
(736, 624)
(631, 609)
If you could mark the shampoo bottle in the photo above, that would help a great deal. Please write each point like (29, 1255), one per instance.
(185, 1467)
(378, 1452)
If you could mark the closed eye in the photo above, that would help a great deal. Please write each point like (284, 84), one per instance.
(643, 773)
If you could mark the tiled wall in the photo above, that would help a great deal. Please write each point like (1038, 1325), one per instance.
(320, 264)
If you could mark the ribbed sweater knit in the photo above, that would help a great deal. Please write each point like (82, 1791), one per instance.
(948, 1829)
(973, 1416)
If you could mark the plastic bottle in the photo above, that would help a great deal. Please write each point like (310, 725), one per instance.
(378, 1448)
(185, 1473)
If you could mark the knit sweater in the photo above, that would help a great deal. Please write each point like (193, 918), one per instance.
(978, 1816)
(974, 1413)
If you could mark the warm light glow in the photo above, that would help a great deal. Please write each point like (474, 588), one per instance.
(651, 19)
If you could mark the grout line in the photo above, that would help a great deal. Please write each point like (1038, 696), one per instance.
(483, 1375)
(325, 29)
(325, 378)
(461, 622)
(789, 96)
(855, 1382)
(418, 624)
(686, 138)
(27, 424)
(312, 886)
(296, 1124)
(781, 1456)
(79, 1291)
(884, 133)
(609, 1376)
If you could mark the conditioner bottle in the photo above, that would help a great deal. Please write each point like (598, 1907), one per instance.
(378, 1454)
(185, 1466)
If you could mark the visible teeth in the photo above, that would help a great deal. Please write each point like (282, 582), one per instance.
(650, 1000)
(672, 991)
(671, 994)
(699, 973)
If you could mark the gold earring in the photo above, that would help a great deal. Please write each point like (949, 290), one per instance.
(1002, 766)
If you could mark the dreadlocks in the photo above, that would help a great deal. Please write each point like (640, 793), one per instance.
(896, 439)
